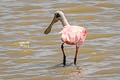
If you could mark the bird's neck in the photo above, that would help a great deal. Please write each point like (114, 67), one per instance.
(64, 21)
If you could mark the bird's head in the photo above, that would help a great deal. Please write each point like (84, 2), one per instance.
(57, 16)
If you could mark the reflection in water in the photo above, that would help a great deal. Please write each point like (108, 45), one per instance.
(26, 53)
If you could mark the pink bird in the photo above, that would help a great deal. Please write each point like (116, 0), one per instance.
(72, 35)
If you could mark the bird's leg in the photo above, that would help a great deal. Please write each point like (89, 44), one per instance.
(64, 57)
(76, 55)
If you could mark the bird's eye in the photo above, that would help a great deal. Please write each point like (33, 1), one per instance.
(57, 15)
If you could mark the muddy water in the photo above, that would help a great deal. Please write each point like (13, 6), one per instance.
(28, 54)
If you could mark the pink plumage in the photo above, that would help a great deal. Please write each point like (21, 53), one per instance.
(73, 35)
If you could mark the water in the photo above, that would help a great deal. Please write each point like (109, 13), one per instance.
(28, 54)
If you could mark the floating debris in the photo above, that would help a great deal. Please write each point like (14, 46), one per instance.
(24, 44)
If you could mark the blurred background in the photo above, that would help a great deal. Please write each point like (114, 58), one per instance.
(26, 53)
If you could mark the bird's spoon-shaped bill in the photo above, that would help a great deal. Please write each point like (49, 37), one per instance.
(50, 26)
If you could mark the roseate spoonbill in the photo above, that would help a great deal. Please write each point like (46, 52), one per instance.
(72, 35)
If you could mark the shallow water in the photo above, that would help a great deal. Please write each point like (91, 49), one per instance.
(28, 54)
